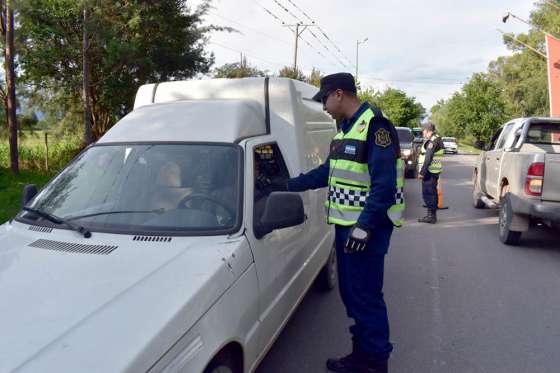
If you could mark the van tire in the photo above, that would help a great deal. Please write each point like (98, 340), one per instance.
(507, 236)
(328, 277)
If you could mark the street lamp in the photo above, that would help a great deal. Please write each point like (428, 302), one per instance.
(358, 42)
(509, 14)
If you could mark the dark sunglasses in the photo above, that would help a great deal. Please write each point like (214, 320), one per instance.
(326, 97)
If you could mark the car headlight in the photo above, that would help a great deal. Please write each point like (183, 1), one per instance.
(406, 152)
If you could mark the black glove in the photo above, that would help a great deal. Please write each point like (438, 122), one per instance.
(357, 239)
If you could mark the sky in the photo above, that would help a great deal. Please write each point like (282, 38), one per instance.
(426, 48)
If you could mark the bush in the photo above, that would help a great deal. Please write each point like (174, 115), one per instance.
(32, 157)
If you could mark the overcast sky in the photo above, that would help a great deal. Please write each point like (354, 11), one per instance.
(426, 48)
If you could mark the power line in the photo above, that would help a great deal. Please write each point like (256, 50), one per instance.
(250, 55)
(286, 9)
(320, 29)
(342, 63)
(250, 28)
(285, 24)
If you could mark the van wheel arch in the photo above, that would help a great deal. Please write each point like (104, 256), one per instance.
(230, 356)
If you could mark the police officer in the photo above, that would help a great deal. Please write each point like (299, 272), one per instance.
(430, 165)
(364, 175)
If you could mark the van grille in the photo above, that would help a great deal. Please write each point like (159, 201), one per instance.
(73, 247)
(152, 238)
(40, 229)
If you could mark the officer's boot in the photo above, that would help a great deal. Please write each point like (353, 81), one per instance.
(355, 363)
(430, 218)
(347, 364)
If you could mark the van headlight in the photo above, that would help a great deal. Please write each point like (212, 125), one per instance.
(406, 152)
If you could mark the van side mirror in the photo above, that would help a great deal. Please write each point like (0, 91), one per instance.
(480, 145)
(29, 191)
(282, 210)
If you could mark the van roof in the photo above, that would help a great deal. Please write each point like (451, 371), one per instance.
(196, 121)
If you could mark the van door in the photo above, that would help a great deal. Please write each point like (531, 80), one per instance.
(279, 255)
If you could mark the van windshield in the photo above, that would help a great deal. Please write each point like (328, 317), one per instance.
(147, 188)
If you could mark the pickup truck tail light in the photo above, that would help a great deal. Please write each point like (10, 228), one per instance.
(535, 176)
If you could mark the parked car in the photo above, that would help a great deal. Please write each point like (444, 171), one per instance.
(409, 152)
(518, 171)
(160, 248)
(450, 145)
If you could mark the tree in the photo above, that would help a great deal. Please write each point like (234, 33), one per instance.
(289, 72)
(9, 94)
(315, 77)
(238, 70)
(131, 42)
(401, 109)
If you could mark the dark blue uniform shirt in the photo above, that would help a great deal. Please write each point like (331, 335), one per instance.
(381, 166)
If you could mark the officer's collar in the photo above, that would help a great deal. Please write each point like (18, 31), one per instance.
(347, 124)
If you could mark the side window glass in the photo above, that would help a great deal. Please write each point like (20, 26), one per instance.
(268, 166)
(505, 134)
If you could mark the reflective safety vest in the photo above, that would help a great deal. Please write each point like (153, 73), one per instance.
(349, 179)
(436, 166)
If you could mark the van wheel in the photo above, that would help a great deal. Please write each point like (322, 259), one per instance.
(328, 276)
(223, 363)
(477, 202)
(507, 236)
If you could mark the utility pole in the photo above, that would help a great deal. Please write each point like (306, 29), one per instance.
(358, 42)
(88, 131)
(7, 26)
(298, 33)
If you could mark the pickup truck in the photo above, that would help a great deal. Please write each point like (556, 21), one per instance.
(163, 247)
(518, 171)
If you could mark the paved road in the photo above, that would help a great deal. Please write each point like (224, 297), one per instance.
(459, 301)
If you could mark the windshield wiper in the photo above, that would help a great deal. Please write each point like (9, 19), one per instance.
(156, 211)
(55, 219)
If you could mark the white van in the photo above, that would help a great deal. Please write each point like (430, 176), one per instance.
(159, 248)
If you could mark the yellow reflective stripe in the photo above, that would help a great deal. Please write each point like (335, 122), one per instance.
(340, 217)
(343, 164)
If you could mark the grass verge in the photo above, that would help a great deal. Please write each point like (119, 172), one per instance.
(11, 187)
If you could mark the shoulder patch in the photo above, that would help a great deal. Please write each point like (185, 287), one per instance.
(382, 138)
(430, 145)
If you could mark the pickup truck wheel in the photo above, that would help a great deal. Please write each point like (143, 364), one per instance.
(507, 236)
(328, 277)
(477, 202)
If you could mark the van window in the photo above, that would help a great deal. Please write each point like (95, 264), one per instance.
(544, 133)
(146, 188)
(268, 165)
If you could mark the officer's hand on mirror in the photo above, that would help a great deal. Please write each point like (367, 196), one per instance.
(357, 239)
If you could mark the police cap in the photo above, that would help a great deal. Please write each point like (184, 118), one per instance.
(331, 83)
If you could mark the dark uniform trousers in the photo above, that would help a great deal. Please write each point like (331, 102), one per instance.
(361, 284)
(429, 190)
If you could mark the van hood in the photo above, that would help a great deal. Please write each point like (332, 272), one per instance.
(66, 307)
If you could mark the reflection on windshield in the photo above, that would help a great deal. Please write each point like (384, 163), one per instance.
(187, 186)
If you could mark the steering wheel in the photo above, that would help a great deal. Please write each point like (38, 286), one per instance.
(200, 196)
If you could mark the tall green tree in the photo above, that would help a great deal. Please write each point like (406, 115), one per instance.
(402, 110)
(289, 72)
(238, 70)
(131, 42)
